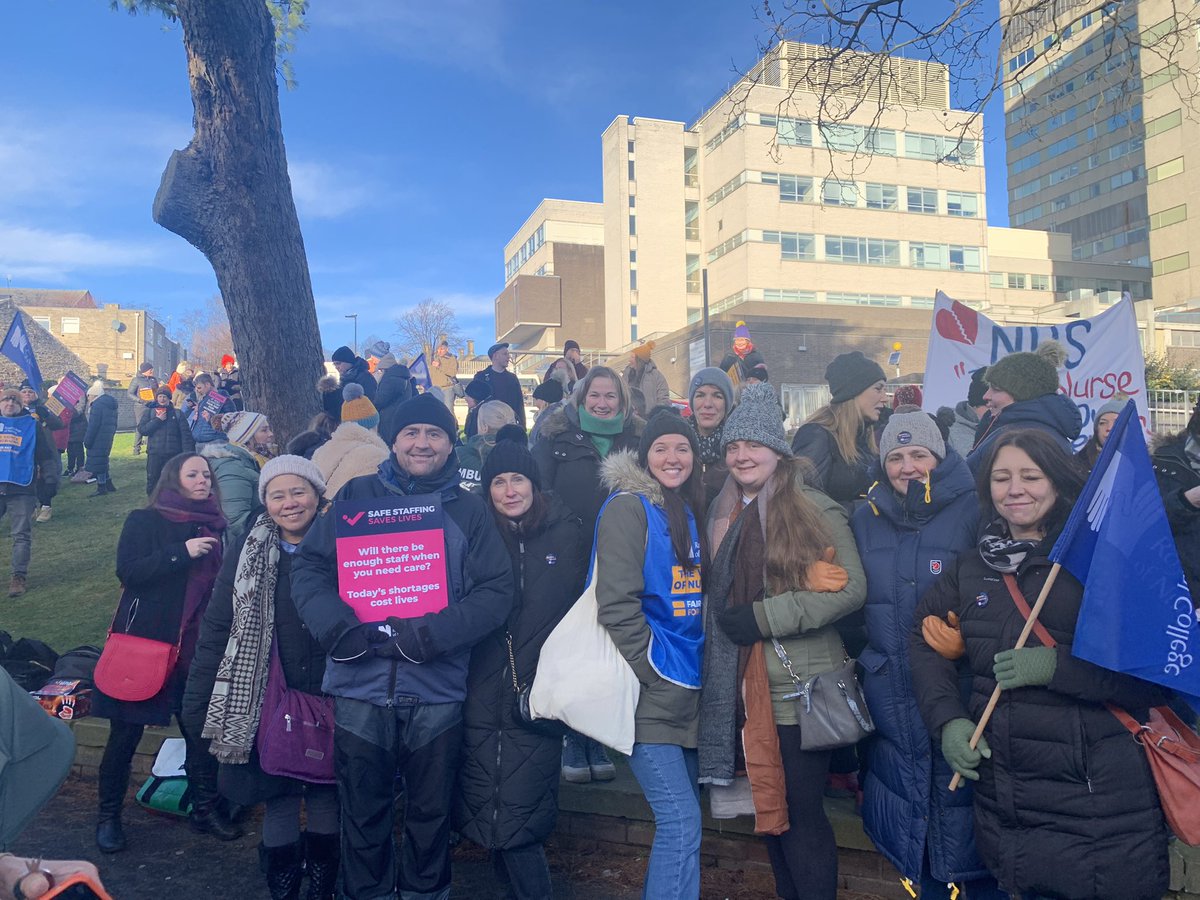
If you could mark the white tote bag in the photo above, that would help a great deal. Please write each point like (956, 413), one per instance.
(583, 680)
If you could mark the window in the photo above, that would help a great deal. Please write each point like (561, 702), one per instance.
(632, 201)
(43, 321)
(839, 193)
(633, 279)
(783, 295)
(848, 138)
(922, 200)
(883, 253)
(792, 245)
(1039, 282)
(1164, 123)
(691, 220)
(881, 142)
(631, 146)
(70, 325)
(1165, 170)
(794, 133)
(882, 196)
(926, 256)
(631, 178)
(795, 189)
(633, 225)
(724, 247)
(1164, 266)
(996, 279)
(692, 273)
(633, 256)
(845, 249)
(962, 204)
(1171, 216)
(1016, 282)
(966, 259)
(527, 250)
(862, 299)
(690, 176)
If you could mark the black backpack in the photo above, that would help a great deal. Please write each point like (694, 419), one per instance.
(30, 662)
(78, 663)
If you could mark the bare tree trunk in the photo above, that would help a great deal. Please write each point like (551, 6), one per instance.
(229, 195)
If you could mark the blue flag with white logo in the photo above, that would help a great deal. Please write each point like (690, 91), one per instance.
(16, 347)
(419, 369)
(1137, 615)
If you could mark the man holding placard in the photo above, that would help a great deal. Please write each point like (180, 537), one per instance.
(24, 447)
(398, 579)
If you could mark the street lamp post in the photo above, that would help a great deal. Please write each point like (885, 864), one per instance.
(354, 316)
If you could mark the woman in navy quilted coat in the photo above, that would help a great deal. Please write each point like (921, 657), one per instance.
(922, 512)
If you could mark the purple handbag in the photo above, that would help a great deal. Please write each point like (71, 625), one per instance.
(295, 733)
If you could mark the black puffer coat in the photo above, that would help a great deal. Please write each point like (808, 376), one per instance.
(514, 802)
(841, 479)
(395, 387)
(570, 465)
(303, 663)
(1066, 806)
(1175, 476)
(166, 437)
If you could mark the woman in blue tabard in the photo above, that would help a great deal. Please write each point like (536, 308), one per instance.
(648, 560)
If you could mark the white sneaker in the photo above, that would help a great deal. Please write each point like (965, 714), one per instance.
(44, 514)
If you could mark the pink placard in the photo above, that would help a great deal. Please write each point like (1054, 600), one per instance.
(391, 556)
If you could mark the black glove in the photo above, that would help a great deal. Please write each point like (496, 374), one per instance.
(740, 625)
(356, 643)
(410, 641)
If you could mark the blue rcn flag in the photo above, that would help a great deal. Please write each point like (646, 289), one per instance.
(16, 347)
(1137, 614)
(419, 369)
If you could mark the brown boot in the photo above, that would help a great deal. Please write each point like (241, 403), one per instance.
(16, 587)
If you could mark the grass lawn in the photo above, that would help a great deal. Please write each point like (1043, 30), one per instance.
(73, 587)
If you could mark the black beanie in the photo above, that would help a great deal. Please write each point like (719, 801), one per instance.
(511, 454)
(666, 421)
(551, 391)
(423, 409)
(978, 387)
(850, 374)
(343, 354)
(478, 390)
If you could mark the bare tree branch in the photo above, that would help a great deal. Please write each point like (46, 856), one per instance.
(426, 325)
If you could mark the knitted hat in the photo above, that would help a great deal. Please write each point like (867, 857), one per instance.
(423, 409)
(379, 349)
(240, 427)
(10, 394)
(163, 390)
(510, 454)
(741, 331)
(25, 385)
(358, 408)
(907, 394)
(642, 351)
(1028, 375)
(551, 391)
(478, 390)
(290, 465)
(96, 390)
(663, 422)
(850, 374)
(758, 417)
(1115, 405)
(978, 387)
(759, 372)
(145, 367)
(503, 345)
(570, 345)
(343, 354)
(912, 429)
(718, 379)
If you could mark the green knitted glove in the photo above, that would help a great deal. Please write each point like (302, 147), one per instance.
(1025, 667)
(956, 747)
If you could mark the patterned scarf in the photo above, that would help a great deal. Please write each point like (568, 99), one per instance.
(711, 449)
(235, 707)
(1000, 551)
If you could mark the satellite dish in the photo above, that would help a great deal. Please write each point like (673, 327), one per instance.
(118, 326)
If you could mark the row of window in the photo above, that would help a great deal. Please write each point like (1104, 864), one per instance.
(872, 195)
(527, 250)
(70, 324)
(1078, 139)
(1018, 281)
(1020, 86)
(1080, 195)
(1169, 264)
(793, 295)
(1073, 170)
(791, 132)
(1028, 55)
(862, 251)
(1116, 93)
(1090, 249)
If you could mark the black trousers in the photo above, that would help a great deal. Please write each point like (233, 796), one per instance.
(804, 858)
(117, 761)
(154, 467)
(524, 870)
(74, 456)
(371, 746)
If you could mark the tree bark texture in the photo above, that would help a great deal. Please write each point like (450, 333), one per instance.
(229, 195)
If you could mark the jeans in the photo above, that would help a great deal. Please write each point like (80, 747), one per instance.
(281, 816)
(668, 775)
(20, 512)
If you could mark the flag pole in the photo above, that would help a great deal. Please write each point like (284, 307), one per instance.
(1024, 636)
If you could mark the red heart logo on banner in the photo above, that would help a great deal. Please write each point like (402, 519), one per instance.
(958, 323)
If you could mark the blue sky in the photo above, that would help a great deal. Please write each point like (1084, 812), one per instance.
(419, 139)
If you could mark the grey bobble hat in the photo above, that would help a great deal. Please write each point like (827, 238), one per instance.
(758, 417)
(290, 465)
(718, 379)
(912, 429)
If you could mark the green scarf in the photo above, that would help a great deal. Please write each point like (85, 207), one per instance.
(601, 432)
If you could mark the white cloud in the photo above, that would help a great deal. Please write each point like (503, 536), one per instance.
(324, 191)
(40, 254)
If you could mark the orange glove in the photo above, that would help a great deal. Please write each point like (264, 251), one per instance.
(825, 575)
(944, 637)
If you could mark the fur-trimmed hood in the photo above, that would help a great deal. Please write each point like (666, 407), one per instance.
(566, 418)
(620, 471)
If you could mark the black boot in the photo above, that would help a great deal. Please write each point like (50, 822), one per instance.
(109, 836)
(322, 853)
(113, 783)
(282, 866)
(206, 818)
(109, 487)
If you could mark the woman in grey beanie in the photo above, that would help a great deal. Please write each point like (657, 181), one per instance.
(784, 568)
(711, 398)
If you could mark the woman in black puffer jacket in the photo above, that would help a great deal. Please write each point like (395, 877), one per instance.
(167, 434)
(1065, 804)
(508, 785)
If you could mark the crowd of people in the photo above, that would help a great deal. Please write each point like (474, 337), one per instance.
(733, 565)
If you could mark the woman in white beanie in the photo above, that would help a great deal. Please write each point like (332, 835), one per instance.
(235, 465)
(102, 427)
(784, 570)
(251, 634)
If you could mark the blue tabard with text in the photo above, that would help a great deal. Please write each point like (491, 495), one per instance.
(672, 601)
(18, 438)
